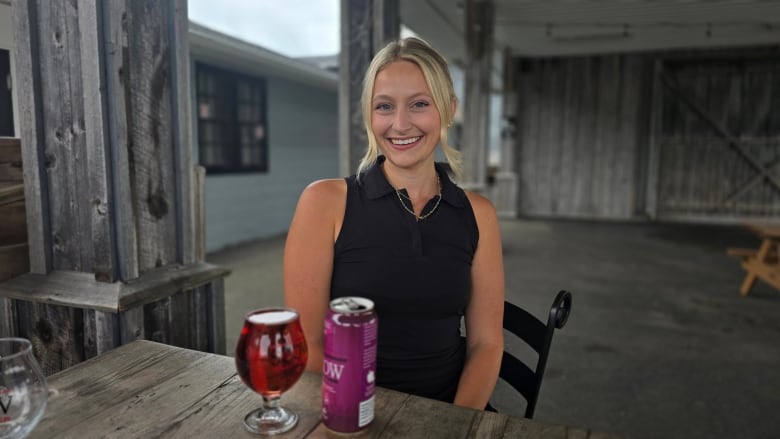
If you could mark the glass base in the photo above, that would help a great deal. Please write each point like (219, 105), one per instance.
(270, 421)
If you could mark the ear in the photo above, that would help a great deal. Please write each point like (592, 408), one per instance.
(453, 109)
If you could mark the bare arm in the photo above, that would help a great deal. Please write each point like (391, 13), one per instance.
(484, 314)
(308, 259)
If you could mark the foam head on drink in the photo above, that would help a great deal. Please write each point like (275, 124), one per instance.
(349, 365)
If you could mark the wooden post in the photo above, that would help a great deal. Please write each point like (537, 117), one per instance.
(476, 111)
(109, 183)
(366, 26)
(506, 178)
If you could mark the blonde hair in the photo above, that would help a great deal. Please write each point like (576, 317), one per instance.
(437, 76)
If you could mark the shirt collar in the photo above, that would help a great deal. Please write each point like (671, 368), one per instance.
(376, 184)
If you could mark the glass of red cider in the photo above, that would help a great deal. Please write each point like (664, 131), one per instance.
(271, 355)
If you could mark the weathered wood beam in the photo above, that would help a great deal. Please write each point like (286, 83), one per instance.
(506, 178)
(476, 112)
(81, 290)
(366, 26)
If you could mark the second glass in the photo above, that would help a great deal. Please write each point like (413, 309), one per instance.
(23, 390)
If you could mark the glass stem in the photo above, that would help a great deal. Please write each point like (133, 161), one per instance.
(271, 403)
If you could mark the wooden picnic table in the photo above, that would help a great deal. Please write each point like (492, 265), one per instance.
(147, 389)
(762, 262)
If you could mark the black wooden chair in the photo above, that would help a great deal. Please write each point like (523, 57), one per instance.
(538, 336)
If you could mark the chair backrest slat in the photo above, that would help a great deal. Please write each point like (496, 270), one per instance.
(537, 335)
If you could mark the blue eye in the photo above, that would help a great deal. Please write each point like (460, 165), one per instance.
(383, 107)
(420, 104)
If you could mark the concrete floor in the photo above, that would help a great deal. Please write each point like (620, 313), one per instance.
(659, 343)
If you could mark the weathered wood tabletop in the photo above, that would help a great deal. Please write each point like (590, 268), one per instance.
(145, 390)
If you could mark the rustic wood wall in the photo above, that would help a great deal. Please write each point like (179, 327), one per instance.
(582, 129)
(109, 182)
(691, 135)
(717, 132)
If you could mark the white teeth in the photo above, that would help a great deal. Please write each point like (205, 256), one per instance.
(404, 141)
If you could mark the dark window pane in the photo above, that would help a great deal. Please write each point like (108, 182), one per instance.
(231, 120)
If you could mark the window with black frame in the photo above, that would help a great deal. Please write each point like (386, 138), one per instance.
(232, 128)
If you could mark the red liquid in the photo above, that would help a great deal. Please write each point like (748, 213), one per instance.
(271, 354)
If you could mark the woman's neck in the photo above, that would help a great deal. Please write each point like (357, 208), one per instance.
(420, 184)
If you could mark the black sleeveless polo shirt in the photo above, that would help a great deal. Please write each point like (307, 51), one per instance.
(418, 273)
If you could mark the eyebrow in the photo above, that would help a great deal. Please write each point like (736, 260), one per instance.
(412, 97)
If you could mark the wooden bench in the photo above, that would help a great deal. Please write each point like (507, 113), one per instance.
(761, 263)
(747, 253)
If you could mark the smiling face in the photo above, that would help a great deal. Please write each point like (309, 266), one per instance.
(404, 117)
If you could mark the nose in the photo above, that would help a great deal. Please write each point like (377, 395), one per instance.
(401, 121)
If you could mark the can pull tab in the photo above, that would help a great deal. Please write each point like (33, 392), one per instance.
(354, 306)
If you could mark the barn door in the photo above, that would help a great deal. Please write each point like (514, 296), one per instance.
(717, 139)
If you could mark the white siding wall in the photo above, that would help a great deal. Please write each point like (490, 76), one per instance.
(7, 43)
(303, 146)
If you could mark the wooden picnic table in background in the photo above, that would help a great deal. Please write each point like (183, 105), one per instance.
(762, 262)
(147, 389)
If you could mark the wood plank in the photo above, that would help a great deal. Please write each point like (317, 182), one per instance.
(528, 113)
(165, 281)
(206, 418)
(585, 129)
(81, 290)
(741, 252)
(188, 315)
(768, 273)
(655, 142)
(543, 159)
(487, 425)
(151, 150)
(101, 332)
(62, 107)
(186, 225)
(194, 383)
(750, 278)
(131, 325)
(451, 421)
(96, 179)
(54, 333)
(199, 197)
(388, 403)
(630, 135)
(25, 22)
(121, 140)
(92, 383)
(8, 323)
(215, 309)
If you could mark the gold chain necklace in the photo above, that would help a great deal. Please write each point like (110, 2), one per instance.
(433, 209)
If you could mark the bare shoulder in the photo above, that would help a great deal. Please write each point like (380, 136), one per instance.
(332, 187)
(325, 193)
(322, 202)
(484, 210)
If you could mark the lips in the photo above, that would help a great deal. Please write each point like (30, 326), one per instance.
(405, 143)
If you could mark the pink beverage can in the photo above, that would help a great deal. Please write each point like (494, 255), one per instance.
(349, 365)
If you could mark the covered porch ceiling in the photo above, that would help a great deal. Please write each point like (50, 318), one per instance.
(580, 27)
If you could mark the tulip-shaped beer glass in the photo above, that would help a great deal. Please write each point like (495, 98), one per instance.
(270, 357)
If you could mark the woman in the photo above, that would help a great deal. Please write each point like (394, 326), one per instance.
(402, 234)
